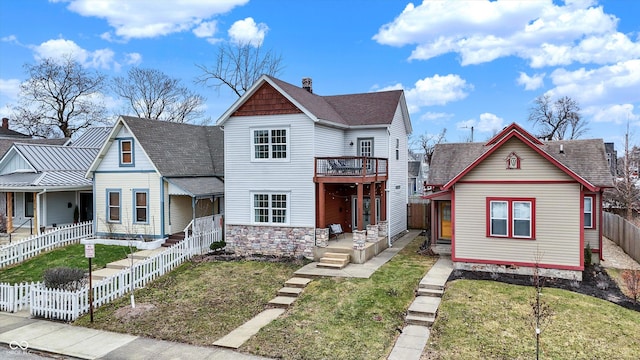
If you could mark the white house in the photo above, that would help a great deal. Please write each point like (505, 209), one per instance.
(296, 162)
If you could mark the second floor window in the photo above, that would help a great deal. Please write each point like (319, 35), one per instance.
(126, 152)
(270, 144)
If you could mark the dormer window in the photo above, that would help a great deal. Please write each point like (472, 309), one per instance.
(126, 152)
(513, 161)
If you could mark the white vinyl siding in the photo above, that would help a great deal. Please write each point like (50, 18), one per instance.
(398, 173)
(111, 160)
(329, 142)
(128, 183)
(557, 221)
(181, 212)
(294, 177)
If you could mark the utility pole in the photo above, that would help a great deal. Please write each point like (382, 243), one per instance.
(466, 127)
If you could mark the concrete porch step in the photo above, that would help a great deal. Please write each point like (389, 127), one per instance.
(335, 255)
(122, 264)
(424, 306)
(420, 320)
(297, 282)
(430, 292)
(290, 291)
(334, 260)
(282, 302)
(329, 265)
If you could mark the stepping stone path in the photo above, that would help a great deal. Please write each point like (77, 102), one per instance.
(422, 312)
(285, 297)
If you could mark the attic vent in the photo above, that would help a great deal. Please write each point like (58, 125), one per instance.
(561, 148)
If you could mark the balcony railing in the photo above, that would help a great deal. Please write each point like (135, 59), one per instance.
(351, 166)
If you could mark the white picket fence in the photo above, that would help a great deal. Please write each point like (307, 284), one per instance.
(24, 249)
(15, 297)
(69, 305)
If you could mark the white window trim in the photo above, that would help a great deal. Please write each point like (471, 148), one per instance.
(590, 212)
(270, 159)
(270, 222)
(491, 218)
(514, 218)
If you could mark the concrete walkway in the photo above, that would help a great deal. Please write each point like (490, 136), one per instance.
(422, 312)
(83, 343)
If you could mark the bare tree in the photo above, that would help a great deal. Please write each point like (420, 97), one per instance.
(238, 66)
(59, 98)
(428, 143)
(625, 193)
(557, 120)
(152, 94)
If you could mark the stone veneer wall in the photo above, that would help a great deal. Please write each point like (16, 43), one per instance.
(372, 233)
(519, 270)
(322, 237)
(359, 239)
(270, 240)
(382, 228)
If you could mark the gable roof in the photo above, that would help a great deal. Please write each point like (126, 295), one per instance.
(414, 168)
(5, 132)
(175, 149)
(372, 109)
(92, 137)
(583, 160)
(5, 144)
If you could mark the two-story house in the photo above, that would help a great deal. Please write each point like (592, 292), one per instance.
(296, 162)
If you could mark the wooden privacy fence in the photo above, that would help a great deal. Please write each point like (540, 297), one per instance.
(418, 215)
(623, 233)
(69, 305)
(22, 250)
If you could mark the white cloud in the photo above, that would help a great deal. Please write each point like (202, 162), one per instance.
(152, 18)
(541, 32)
(617, 113)
(10, 88)
(248, 32)
(59, 48)
(133, 59)
(490, 123)
(614, 84)
(206, 29)
(531, 82)
(434, 116)
(436, 90)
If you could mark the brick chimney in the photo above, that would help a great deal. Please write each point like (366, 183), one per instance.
(306, 84)
(5, 123)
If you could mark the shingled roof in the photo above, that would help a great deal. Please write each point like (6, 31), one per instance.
(584, 158)
(180, 150)
(363, 109)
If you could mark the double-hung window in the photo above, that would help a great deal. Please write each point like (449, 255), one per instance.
(270, 208)
(141, 206)
(270, 144)
(113, 205)
(511, 218)
(126, 152)
(588, 211)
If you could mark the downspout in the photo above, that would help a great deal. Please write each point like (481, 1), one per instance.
(600, 220)
(43, 218)
(388, 189)
(162, 207)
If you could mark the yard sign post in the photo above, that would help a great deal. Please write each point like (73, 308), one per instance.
(90, 253)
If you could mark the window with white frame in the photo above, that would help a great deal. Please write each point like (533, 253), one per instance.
(270, 144)
(270, 208)
(511, 218)
(588, 211)
(141, 206)
(113, 205)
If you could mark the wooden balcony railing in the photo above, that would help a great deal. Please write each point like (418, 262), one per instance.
(356, 166)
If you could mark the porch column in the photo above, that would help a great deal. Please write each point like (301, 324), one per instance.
(9, 212)
(372, 196)
(35, 229)
(383, 201)
(321, 207)
(360, 206)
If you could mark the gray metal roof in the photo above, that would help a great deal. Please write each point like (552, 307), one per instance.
(92, 137)
(52, 158)
(5, 144)
(199, 186)
(180, 150)
(586, 158)
(44, 180)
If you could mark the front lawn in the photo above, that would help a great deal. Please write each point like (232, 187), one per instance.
(480, 319)
(69, 256)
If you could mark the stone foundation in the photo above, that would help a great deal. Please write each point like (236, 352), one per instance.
(359, 239)
(382, 228)
(271, 240)
(322, 237)
(519, 270)
(372, 233)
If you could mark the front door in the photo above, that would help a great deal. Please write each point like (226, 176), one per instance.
(366, 208)
(86, 207)
(445, 220)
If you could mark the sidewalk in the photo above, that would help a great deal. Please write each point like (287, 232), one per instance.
(83, 343)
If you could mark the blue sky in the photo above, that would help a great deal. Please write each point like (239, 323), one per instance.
(461, 63)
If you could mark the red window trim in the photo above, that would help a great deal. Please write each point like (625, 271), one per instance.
(510, 219)
(593, 210)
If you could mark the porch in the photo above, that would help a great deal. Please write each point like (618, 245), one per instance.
(345, 244)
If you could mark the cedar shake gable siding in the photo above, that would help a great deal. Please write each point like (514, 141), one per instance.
(267, 101)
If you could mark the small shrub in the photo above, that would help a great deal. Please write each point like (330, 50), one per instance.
(217, 245)
(587, 256)
(631, 280)
(64, 278)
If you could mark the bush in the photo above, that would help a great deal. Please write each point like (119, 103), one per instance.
(64, 278)
(587, 256)
(631, 279)
(217, 245)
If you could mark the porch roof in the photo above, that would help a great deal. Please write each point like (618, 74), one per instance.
(50, 180)
(196, 186)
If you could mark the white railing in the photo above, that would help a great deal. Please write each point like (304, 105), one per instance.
(204, 224)
(15, 297)
(24, 249)
(69, 305)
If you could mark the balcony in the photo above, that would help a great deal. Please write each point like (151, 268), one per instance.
(350, 168)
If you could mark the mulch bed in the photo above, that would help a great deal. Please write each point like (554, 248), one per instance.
(595, 282)
(224, 256)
